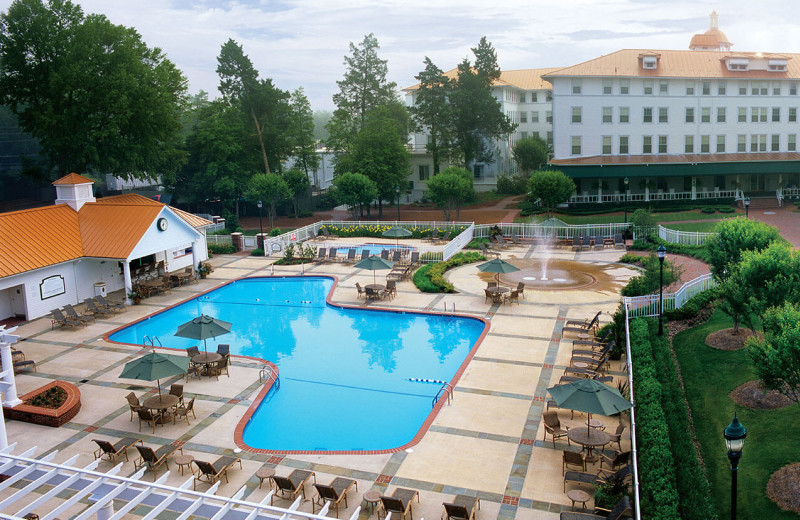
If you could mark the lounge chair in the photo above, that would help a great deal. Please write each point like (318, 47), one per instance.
(596, 365)
(184, 411)
(385, 254)
(434, 236)
(58, 318)
(586, 242)
(73, 315)
(289, 487)
(94, 308)
(334, 493)
(572, 458)
(590, 479)
(133, 403)
(154, 459)
(621, 510)
(21, 366)
(515, 240)
(110, 305)
(113, 451)
(364, 254)
(396, 255)
(487, 252)
(583, 323)
(591, 352)
(553, 426)
(498, 242)
(445, 238)
(414, 258)
(584, 328)
(321, 252)
(461, 508)
(332, 254)
(598, 242)
(351, 256)
(576, 243)
(618, 241)
(148, 417)
(209, 473)
(399, 503)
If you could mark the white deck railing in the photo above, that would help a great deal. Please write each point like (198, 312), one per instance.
(648, 305)
(552, 229)
(689, 238)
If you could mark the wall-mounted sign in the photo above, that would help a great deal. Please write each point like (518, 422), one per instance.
(52, 286)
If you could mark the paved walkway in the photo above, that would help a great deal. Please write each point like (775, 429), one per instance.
(487, 443)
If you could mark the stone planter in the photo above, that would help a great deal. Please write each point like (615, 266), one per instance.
(54, 417)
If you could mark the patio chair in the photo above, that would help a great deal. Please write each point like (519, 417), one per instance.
(461, 508)
(487, 252)
(391, 289)
(154, 459)
(553, 426)
(364, 254)
(572, 458)
(219, 367)
(148, 417)
(58, 318)
(621, 510)
(69, 310)
(209, 473)
(133, 403)
(177, 391)
(184, 411)
(618, 241)
(371, 294)
(113, 451)
(321, 252)
(399, 503)
(617, 436)
(488, 296)
(351, 256)
(512, 297)
(289, 487)
(334, 493)
(94, 308)
(620, 458)
(361, 292)
(192, 352)
(224, 350)
(117, 307)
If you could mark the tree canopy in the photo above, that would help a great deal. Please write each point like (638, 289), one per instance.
(776, 355)
(297, 181)
(531, 153)
(450, 190)
(551, 188)
(433, 111)
(92, 93)
(270, 189)
(732, 238)
(354, 190)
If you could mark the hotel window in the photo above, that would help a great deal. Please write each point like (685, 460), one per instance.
(792, 89)
(690, 88)
(647, 144)
(741, 143)
(759, 88)
(722, 88)
(706, 88)
(606, 145)
(623, 144)
(793, 115)
(720, 144)
(720, 114)
(548, 95)
(792, 146)
(550, 138)
(705, 115)
(624, 114)
(534, 97)
(576, 114)
(608, 86)
(576, 145)
(663, 88)
(624, 86)
(776, 115)
(776, 89)
(524, 135)
(742, 88)
(534, 117)
(522, 98)
(742, 115)
(523, 117)
(758, 115)
(690, 115)
(688, 144)
(576, 86)
(424, 172)
(705, 143)
(758, 143)
(776, 143)
(607, 115)
(662, 144)
(548, 116)
(648, 88)
(647, 115)
(663, 115)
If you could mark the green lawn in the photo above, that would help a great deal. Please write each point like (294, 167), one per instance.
(709, 375)
(700, 227)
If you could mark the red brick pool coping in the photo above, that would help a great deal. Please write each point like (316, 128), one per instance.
(239, 430)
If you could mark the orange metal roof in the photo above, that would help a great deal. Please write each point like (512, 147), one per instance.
(73, 178)
(112, 230)
(679, 158)
(192, 220)
(678, 64)
(34, 238)
(526, 79)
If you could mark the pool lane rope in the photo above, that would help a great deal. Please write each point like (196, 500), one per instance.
(422, 380)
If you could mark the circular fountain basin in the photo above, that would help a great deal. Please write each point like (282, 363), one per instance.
(556, 275)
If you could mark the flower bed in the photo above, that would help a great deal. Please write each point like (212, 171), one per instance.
(47, 415)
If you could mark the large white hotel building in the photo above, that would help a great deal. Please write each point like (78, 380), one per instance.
(706, 122)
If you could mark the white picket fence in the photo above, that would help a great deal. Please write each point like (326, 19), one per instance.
(688, 238)
(553, 228)
(648, 305)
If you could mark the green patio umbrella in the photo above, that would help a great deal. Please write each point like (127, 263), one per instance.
(398, 233)
(203, 327)
(590, 396)
(497, 266)
(374, 263)
(154, 367)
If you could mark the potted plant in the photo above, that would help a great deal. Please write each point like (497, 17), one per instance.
(204, 269)
(135, 297)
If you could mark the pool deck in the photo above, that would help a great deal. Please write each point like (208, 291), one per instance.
(487, 442)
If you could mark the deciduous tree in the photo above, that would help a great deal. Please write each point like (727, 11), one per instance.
(776, 355)
(551, 188)
(732, 238)
(271, 189)
(354, 190)
(433, 112)
(301, 135)
(297, 180)
(531, 153)
(450, 189)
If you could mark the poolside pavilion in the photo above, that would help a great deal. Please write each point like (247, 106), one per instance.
(486, 443)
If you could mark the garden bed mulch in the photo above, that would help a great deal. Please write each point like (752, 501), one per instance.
(783, 488)
(727, 339)
(754, 396)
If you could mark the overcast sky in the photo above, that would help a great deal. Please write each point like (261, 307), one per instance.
(302, 43)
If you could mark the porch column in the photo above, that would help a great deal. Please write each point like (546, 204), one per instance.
(694, 188)
(126, 273)
(195, 258)
(10, 390)
(647, 189)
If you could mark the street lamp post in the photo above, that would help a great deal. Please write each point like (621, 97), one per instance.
(734, 435)
(626, 200)
(662, 252)
(397, 191)
(260, 223)
(747, 207)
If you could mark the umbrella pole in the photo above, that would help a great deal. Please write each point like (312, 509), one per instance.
(158, 382)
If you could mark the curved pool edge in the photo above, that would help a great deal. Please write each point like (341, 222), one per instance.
(240, 426)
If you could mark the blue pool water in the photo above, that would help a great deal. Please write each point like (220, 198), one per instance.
(344, 372)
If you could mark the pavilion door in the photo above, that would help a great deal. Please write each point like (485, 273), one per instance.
(758, 183)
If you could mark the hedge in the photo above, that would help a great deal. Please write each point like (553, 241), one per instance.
(430, 277)
(376, 230)
(221, 249)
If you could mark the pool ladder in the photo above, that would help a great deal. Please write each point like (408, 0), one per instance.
(267, 374)
(451, 312)
(446, 389)
(152, 341)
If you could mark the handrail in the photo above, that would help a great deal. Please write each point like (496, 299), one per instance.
(152, 341)
(446, 388)
(629, 366)
(267, 374)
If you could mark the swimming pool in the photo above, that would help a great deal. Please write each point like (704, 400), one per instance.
(347, 375)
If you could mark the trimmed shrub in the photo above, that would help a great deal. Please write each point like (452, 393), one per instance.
(726, 209)
(221, 249)
(512, 184)
(257, 252)
(648, 283)
(376, 230)
(430, 277)
(707, 210)
(274, 232)
(705, 302)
